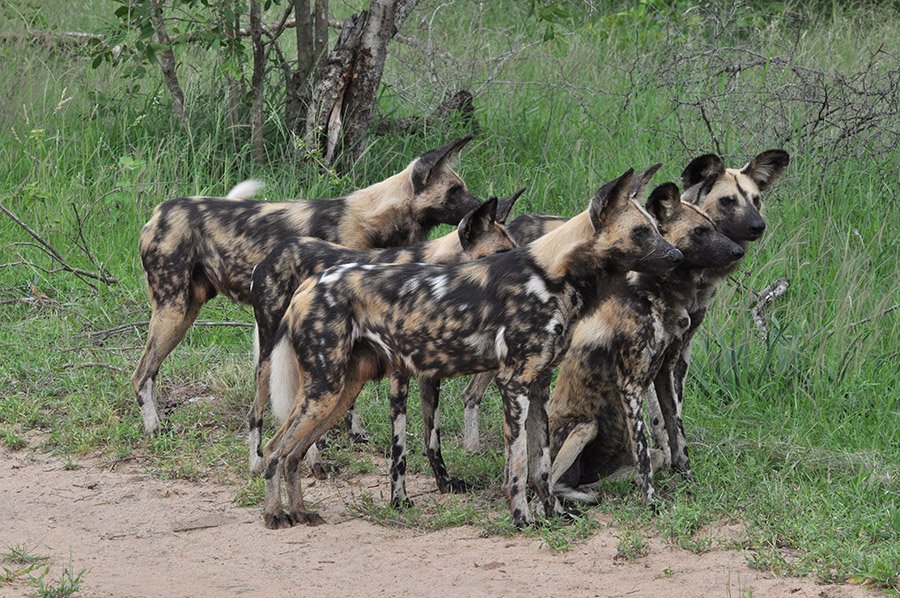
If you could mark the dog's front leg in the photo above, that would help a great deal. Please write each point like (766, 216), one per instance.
(399, 395)
(539, 444)
(473, 395)
(429, 391)
(668, 407)
(514, 387)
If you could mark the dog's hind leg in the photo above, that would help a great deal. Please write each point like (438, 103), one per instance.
(429, 389)
(399, 398)
(320, 407)
(569, 453)
(263, 371)
(473, 395)
(168, 325)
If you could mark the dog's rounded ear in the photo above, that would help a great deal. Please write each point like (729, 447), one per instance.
(642, 180)
(477, 223)
(765, 168)
(663, 202)
(435, 161)
(701, 168)
(609, 198)
(505, 205)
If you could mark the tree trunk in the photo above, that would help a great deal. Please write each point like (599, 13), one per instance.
(258, 81)
(346, 84)
(167, 61)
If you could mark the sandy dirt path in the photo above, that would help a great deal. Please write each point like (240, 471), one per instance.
(136, 535)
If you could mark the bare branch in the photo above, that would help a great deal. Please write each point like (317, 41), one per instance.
(51, 251)
(167, 61)
(107, 332)
(883, 312)
(764, 299)
(257, 81)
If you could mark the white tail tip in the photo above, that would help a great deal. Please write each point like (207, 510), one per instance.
(245, 189)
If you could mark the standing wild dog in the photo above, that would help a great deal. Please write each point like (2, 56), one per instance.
(481, 232)
(618, 348)
(195, 247)
(513, 311)
(732, 199)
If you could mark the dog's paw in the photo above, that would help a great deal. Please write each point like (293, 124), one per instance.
(310, 518)
(277, 520)
(453, 486)
(404, 503)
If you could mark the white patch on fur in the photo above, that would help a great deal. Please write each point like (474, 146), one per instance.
(438, 285)
(410, 286)
(255, 346)
(535, 286)
(572, 495)
(335, 273)
(245, 190)
(284, 380)
(632, 277)
(356, 426)
(367, 266)
(646, 214)
(312, 456)
(256, 462)
(148, 409)
(462, 307)
(471, 439)
(378, 341)
(500, 344)
(434, 442)
(555, 321)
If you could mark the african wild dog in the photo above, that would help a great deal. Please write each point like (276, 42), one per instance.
(481, 232)
(513, 311)
(618, 348)
(732, 199)
(195, 247)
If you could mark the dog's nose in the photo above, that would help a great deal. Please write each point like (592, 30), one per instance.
(737, 252)
(758, 227)
(675, 256)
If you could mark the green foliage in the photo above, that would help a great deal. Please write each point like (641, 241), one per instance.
(794, 437)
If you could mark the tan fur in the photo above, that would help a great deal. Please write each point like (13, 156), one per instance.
(552, 250)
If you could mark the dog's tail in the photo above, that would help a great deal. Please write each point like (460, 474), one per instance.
(568, 494)
(245, 190)
(284, 379)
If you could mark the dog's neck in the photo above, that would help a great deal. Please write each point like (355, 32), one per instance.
(389, 205)
(564, 256)
(443, 250)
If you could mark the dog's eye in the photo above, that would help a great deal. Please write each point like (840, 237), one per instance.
(756, 201)
(728, 200)
(699, 231)
(641, 232)
(455, 190)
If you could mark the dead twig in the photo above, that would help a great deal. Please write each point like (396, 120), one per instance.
(107, 332)
(883, 312)
(51, 251)
(763, 299)
(93, 364)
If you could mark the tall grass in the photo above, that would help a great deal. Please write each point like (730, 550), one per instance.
(796, 435)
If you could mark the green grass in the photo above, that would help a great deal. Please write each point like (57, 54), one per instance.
(796, 437)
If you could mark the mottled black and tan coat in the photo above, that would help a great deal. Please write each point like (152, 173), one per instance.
(481, 232)
(512, 311)
(732, 198)
(618, 349)
(197, 247)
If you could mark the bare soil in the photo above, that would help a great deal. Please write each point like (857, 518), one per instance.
(137, 535)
